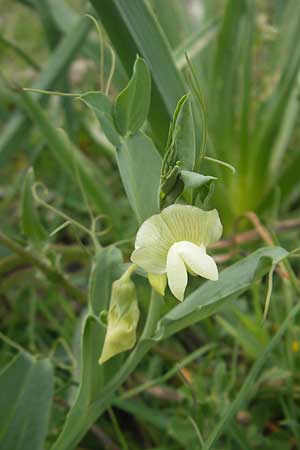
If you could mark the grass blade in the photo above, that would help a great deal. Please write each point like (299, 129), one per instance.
(58, 63)
(250, 380)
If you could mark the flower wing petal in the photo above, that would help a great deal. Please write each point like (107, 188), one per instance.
(151, 259)
(189, 223)
(152, 243)
(176, 273)
(198, 261)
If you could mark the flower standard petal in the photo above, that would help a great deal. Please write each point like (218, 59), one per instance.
(176, 273)
(189, 223)
(154, 232)
(198, 261)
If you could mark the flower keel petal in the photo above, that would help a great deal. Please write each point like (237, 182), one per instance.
(198, 261)
(176, 273)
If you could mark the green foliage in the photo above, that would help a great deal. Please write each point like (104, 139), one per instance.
(60, 60)
(103, 108)
(132, 104)
(139, 164)
(106, 269)
(125, 25)
(172, 94)
(25, 408)
(207, 299)
(183, 134)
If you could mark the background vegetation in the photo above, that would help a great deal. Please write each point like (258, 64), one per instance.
(223, 383)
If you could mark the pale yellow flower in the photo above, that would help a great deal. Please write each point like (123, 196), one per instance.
(172, 243)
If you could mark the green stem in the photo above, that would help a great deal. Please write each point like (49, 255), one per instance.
(221, 163)
(45, 92)
(154, 313)
(99, 406)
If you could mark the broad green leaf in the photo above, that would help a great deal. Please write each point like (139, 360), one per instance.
(13, 132)
(125, 23)
(102, 107)
(27, 388)
(184, 134)
(212, 295)
(195, 180)
(140, 165)
(30, 220)
(132, 104)
(71, 159)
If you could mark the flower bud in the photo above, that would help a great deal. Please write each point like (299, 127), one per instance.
(122, 319)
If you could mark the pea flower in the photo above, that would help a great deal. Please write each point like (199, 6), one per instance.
(172, 243)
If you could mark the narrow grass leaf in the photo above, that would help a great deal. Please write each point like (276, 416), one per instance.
(244, 392)
(13, 132)
(25, 407)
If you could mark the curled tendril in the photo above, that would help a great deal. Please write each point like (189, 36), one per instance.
(112, 69)
(44, 192)
(102, 45)
(97, 220)
(123, 241)
(101, 48)
(60, 227)
(68, 220)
